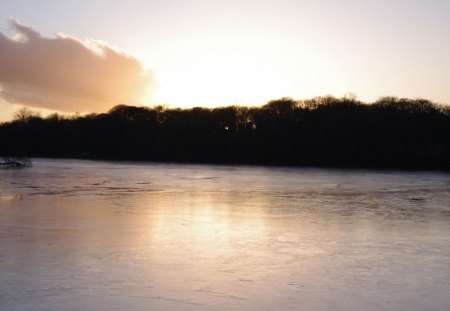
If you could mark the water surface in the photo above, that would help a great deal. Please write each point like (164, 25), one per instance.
(91, 235)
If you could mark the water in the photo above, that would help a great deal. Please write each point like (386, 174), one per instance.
(86, 235)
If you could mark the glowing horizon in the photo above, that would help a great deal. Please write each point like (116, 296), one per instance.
(217, 54)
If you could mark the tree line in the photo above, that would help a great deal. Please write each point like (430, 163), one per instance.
(323, 131)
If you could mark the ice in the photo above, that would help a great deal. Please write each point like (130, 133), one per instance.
(92, 235)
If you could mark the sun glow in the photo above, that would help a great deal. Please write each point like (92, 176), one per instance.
(219, 53)
(237, 70)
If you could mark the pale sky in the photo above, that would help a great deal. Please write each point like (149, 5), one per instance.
(215, 53)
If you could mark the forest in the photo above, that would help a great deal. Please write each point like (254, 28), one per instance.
(326, 131)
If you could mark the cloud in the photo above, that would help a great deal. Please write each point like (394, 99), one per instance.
(67, 74)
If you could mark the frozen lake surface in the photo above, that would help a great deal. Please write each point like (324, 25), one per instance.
(88, 235)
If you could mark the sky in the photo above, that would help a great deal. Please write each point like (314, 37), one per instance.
(88, 56)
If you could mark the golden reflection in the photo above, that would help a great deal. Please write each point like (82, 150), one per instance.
(203, 222)
(10, 197)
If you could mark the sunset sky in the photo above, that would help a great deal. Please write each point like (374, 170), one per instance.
(87, 56)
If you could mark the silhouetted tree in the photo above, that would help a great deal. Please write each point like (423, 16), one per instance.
(323, 131)
(24, 114)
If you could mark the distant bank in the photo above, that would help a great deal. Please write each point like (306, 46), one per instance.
(323, 131)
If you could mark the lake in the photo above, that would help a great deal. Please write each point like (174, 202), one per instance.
(94, 235)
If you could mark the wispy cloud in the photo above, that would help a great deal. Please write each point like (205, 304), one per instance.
(66, 73)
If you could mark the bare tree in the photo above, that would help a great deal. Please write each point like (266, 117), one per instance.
(24, 114)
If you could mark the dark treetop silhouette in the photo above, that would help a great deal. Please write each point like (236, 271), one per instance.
(323, 131)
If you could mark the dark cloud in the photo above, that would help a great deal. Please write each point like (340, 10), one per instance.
(67, 74)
